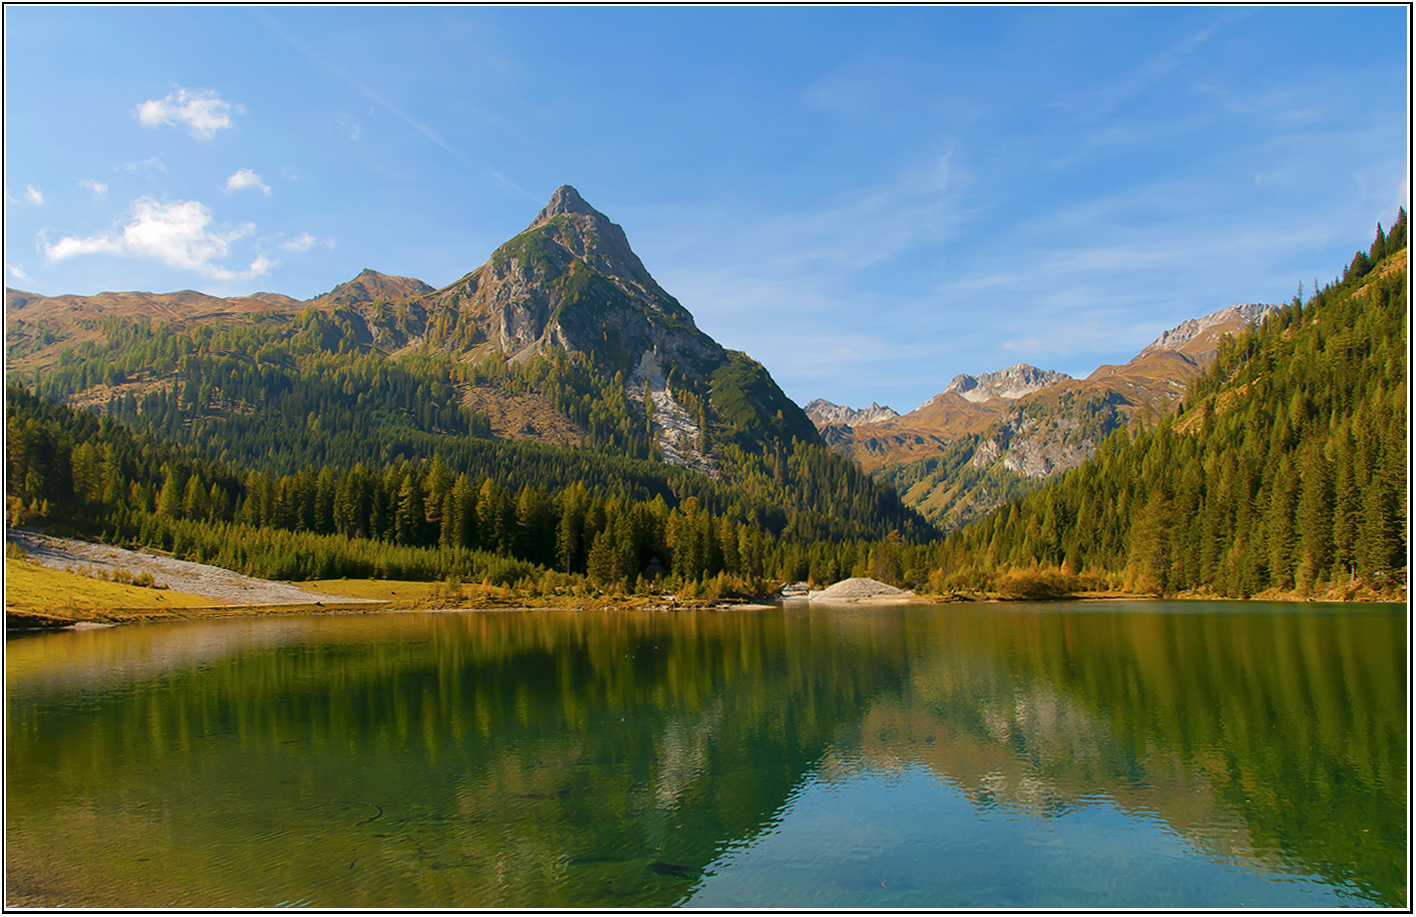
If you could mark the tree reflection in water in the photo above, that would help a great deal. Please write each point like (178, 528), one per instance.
(606, 759)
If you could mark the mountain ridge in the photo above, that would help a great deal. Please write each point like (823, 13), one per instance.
(954, 458)
(823, 413)
(1010, 384)
(1154, 379)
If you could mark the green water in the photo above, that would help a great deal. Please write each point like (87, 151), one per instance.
(1065, 755)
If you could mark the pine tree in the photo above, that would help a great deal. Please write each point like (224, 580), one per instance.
(410, 518)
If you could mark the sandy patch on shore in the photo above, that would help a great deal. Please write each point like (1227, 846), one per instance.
(861, 590)
(100, 560)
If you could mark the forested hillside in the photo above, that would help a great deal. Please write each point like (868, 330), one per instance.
(281, 400)
(1286, 468)
(960, 456)
(406, 520)
(1013, 457)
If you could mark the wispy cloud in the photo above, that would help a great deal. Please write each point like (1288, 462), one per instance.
(16, 272)
(97, 187)
(1102, 101)
(304, 242)
(244, 179)
(34, 195)
(152, 162)
(387, 105)
(179, 235)
(202, 111)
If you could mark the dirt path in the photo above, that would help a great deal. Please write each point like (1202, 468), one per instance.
(181, 575)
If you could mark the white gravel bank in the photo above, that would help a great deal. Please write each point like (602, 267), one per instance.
(180, 575)
(859, 588)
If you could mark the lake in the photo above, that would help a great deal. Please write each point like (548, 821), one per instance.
(1080, 754)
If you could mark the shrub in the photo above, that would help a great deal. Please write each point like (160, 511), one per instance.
(1035, 583)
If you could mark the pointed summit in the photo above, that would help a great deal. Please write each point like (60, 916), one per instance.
(571, 282)
(588, 235)
(566, 200)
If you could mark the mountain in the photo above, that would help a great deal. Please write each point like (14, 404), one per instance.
(1199, 338)
(1011, 384)
(824, 413)
(570, 283)
(562, 337)
(968, 405)
(39, 328)
(369, 287)
(992, 438)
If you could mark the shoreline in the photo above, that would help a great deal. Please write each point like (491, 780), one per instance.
(20, 621)
(230, 594)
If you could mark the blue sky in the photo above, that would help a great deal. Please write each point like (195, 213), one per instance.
(868, 200)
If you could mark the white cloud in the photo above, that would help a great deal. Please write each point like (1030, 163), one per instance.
(246, 178)
(201, 110)
(97, 187)
(304, 242)
(152, 162)
(69, 247)
(179, 235)
(34, 195)
(17, 272)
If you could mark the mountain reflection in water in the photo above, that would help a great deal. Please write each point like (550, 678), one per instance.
(552, 759)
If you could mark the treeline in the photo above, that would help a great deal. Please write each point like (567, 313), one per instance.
(1285, 468)
(408, 520)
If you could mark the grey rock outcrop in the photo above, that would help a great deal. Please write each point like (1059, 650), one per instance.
(1012, 383)
(824, 413)
(1224, 321)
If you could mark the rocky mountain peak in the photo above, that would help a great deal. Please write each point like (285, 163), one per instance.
(1012, 383)
(565, 200)
(1203, 333)
(825, 413)
(571, 283)
(588, 235)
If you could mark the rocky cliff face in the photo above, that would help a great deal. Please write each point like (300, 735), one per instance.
(823, 413)
(1199, 337)
(1011, 384)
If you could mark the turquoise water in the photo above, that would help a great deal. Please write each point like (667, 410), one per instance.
(1063, 755)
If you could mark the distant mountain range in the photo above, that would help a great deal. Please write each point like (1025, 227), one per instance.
(1154, 377)
(823, 413)
(988, 438)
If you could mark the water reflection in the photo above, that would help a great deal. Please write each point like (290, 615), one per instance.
(626, 759)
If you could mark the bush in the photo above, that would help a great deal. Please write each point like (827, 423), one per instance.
(1035, 584)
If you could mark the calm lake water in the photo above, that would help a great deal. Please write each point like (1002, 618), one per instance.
(1128, 755)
